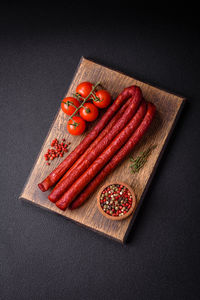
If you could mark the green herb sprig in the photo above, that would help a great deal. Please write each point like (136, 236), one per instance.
(138, 163)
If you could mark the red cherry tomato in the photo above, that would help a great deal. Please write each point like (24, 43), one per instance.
(104, 98)
(89, 112)
(76, 126)
(83, 89)
(68, 104)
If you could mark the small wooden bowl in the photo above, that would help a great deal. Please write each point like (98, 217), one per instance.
(130, 211)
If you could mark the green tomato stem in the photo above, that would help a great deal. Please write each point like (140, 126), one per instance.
(69, 103)
(85, 99)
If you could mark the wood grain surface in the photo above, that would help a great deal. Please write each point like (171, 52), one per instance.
(168, 108)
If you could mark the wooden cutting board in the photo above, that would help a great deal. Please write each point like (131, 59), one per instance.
(168, 108)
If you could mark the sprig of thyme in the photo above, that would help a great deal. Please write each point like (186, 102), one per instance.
(138, 163)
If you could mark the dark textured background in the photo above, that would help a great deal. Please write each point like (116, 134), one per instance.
(43, 256)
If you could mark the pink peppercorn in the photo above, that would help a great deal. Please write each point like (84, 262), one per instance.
(58, 149)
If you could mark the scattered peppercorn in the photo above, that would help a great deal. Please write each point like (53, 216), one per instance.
(58, 149)
(116, 200)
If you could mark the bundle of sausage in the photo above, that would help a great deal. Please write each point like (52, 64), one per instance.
(115, 161)
(70, 177)
(58, 172)
(104, 149)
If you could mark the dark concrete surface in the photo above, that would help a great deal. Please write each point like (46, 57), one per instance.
(43, 256)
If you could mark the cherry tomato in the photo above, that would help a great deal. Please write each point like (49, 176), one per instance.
(68, 106)
(84, 88)
(76, 126)
(104, 98)
(89, 112)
